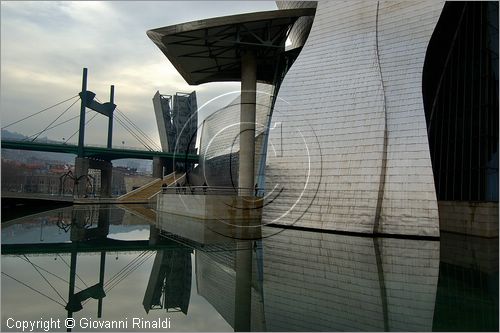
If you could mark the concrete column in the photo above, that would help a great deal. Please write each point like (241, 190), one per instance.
(103, 222)
(154, 235)
(81, 173)
(243, 292)
(106, 179)
(161, 167)
(157, 167)
(246, 179)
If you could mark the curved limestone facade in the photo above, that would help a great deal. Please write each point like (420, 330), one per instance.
(348, 147)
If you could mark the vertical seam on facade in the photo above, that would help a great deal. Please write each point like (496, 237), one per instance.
(376, 226)
(381, 282)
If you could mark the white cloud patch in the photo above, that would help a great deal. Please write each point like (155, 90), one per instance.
(45, 45)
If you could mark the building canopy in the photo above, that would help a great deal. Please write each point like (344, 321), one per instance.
(210, 50)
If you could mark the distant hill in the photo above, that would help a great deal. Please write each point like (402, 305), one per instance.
(27, 156)
(8, 135)
(12, 135)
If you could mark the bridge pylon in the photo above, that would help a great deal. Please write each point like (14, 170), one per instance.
(83, 181)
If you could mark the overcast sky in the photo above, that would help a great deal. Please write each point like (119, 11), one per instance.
(45, 45)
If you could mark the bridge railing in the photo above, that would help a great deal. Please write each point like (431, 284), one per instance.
(205, 190)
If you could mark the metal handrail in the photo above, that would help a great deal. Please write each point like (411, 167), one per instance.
(205, 190)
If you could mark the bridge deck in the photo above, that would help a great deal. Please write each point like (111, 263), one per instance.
(98, 152)
(36, 196)
(70, 199)
(107, 244)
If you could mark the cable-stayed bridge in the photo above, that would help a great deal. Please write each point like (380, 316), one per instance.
(97, 157)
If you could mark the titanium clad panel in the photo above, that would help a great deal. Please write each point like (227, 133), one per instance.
(219, 144)
(357, 78)
(409, 204)
(322, 88)
(300, 30)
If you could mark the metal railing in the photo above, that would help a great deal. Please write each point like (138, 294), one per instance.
(206, 190)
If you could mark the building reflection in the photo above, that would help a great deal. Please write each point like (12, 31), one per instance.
(293, 280)
(323, 282)
(335, 282)
(235, 275)
(228, 264)
(169, 285)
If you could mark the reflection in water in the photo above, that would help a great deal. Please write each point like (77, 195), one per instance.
(467, 295)
(325, 282)
(336, 282)
(83, 229)
(234, 274)
(169, 285)
(292, 281)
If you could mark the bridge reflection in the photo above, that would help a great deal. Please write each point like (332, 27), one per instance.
(291, 280)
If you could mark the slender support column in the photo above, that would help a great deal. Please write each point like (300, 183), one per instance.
(247, 123)
(81, 131)
(243, 292)
(101, 282)
(110, 121)
(72, 278)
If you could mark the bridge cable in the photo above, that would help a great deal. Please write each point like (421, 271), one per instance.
(78, 130)
(38, 292)
(34, 114)
(55, 119)
(49, 272)
(130, 272)
(147, 139)
(131, 269)
(123, 272)
(133, 125)
(137, 128)
(125, 268)
(43, 276)
(78, 276)
(58, 124)
(133, 134)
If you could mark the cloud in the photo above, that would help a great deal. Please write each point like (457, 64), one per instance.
(45, 45)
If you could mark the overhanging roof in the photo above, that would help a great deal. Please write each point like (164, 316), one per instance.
(209, 50)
